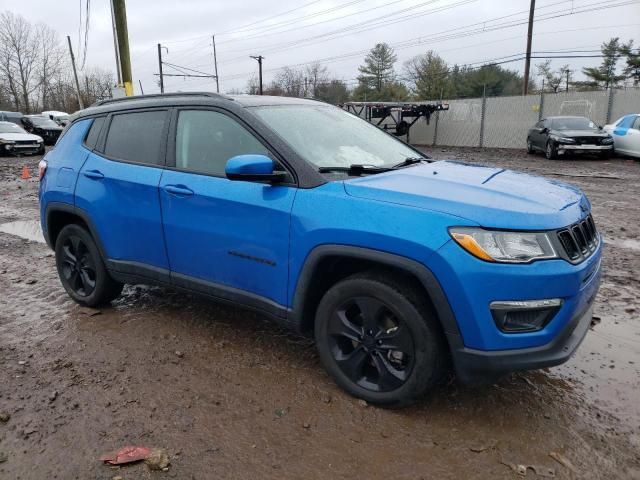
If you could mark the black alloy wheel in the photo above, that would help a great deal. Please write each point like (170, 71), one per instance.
(78, 269)
(81, 269)
(371, 344)
(379, 338)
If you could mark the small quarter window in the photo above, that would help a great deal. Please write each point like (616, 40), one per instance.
(136, 137)
(94, 133)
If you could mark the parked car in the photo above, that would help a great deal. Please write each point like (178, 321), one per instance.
(61, 118)
(556, 136)
(626, 135)
(14, 140)
(396, 264)
(14, 117)
(42, 126)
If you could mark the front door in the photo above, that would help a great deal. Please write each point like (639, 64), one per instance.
(226, 238)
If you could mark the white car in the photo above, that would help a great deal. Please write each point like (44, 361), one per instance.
(626, 135)
(14, 140)
(61, 118)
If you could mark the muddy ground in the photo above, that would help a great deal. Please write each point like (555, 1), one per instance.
(229, 395)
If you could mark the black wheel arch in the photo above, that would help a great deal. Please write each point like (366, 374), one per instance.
(58, 214)
(327, 264)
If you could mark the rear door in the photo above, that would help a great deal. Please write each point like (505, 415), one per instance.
(226, 238)
(118, 189)
(633, 142)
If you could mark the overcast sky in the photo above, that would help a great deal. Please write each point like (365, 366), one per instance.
(290, 33)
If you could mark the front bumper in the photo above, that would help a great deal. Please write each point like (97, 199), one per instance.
(478, 366)
(584, 148)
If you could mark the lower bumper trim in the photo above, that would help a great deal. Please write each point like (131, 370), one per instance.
(480, 366)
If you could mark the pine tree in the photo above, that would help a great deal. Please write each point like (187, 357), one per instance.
(605, 74)
(377, 72)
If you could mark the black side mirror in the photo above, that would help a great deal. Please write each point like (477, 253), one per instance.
(544, 130)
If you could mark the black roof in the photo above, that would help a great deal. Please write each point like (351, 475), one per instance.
(188, 98)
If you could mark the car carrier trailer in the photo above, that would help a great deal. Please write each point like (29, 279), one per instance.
(403, 115)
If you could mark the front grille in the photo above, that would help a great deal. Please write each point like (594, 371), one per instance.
(26, 142)
(587, 140)
(579, 240)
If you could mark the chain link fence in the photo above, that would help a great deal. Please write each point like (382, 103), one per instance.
(503, 122)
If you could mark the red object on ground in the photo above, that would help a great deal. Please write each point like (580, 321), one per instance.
(25, 173)
(126, 455)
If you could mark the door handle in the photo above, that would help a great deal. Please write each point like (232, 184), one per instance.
(95, 174)
(178, 190)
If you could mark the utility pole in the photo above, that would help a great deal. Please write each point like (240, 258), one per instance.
(568, 72)
(75, 73)
(215, 63)
(259, 58)
(527, 63)
(120, 19)
(160, 68)
(115, 44)
(141, 89)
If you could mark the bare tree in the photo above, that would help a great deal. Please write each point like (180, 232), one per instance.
(53, 62)
(20, 55)
(315, 76)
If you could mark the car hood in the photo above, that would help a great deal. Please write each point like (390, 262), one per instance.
(19, 136)
(50, 128)
(491, 197)
(579, 133)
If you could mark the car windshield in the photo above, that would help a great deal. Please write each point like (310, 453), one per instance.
(43, 122)
(572, 123)
(10, 128)
(328, 136)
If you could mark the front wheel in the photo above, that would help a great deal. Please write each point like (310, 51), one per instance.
(81, 269)
(379, 339)
(551, 152)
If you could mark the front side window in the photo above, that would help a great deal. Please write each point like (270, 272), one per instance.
(205, 140)
(328, 136)
(136, 137)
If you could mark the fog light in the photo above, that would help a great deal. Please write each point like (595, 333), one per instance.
(524, 316)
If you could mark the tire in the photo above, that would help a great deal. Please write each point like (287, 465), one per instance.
(82, 270)
(550, 151)
(357, 352)
(41, 151)
(530, 149)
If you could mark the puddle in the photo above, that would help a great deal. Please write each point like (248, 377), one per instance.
(628, 243)
(27, 229)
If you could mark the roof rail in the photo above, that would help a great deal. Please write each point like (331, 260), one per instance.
(161, 95)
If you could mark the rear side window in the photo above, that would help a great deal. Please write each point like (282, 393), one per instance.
(94, 132)
(136, 137)
(636, 123)
(205, 140)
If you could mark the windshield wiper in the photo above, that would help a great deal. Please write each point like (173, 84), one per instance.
(355, 169)
(409, 161)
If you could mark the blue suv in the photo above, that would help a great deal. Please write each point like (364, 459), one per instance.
(397, 265)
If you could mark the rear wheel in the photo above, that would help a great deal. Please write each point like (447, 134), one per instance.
(81, 269)
(379, 339)
(551, 152)
(530, 149)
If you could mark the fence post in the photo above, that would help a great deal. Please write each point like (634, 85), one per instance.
(609, 105)
(541, 106)
(482, 114)
(435, 129)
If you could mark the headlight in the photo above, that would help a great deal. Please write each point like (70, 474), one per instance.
(562, 139)
(607, 141)
(6, 142)
(504, 247)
